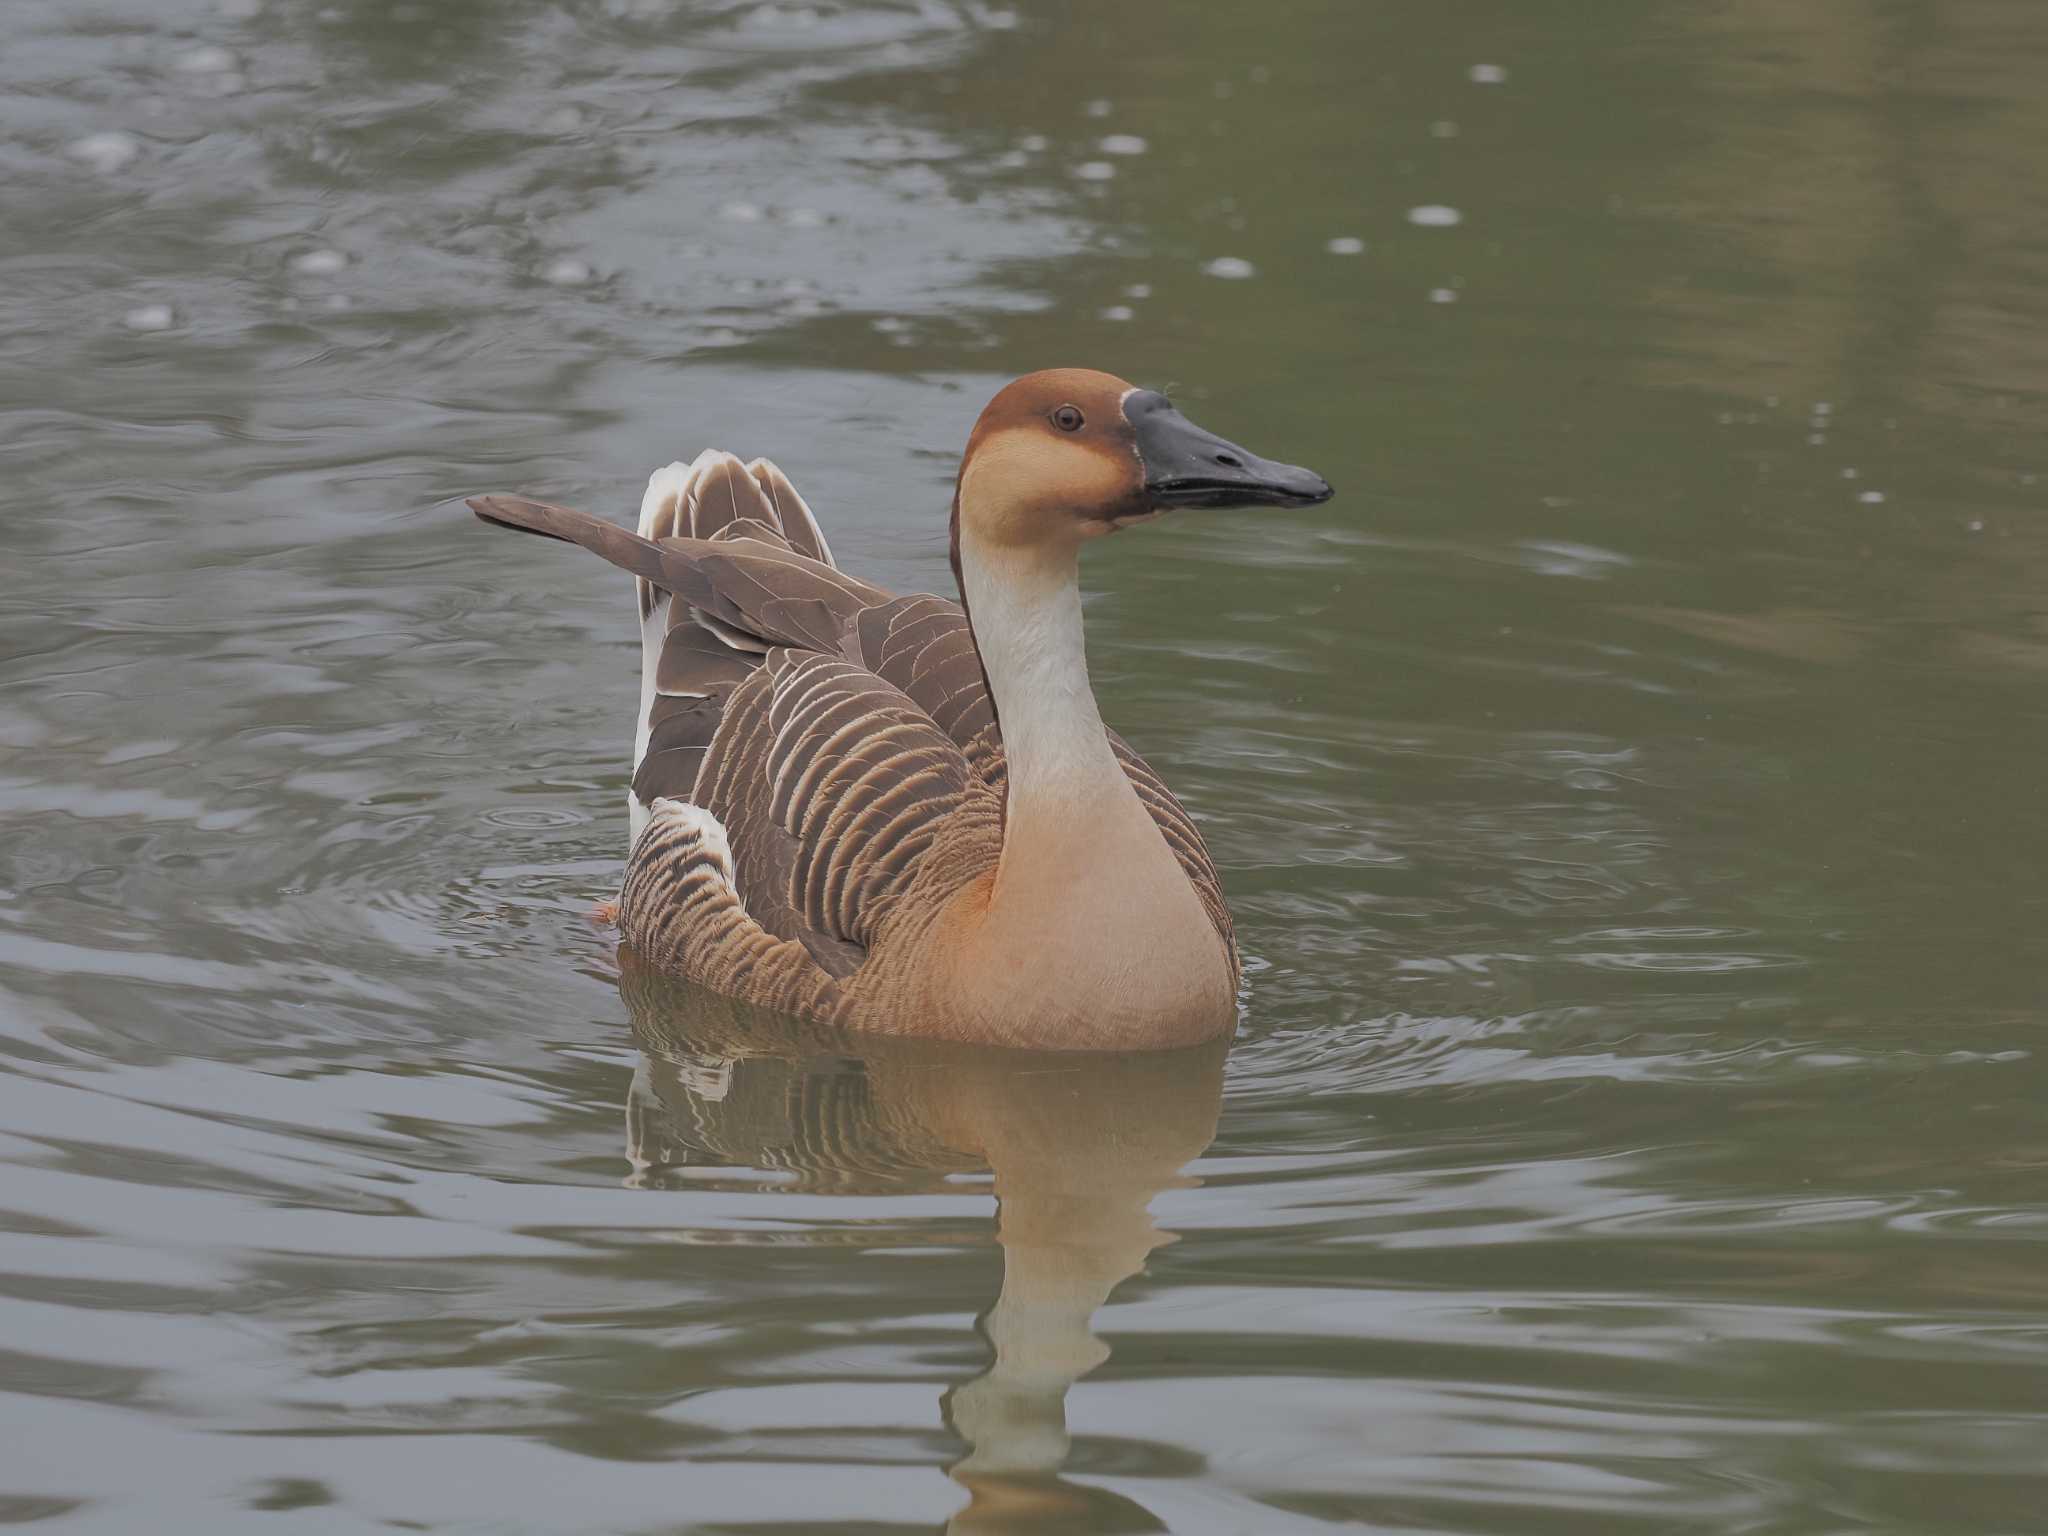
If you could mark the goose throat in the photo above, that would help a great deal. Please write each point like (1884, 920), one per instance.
(1026, 608)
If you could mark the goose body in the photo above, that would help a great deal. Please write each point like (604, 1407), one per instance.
(877, 811)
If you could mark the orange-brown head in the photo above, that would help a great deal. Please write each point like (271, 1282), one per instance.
(1070, 454)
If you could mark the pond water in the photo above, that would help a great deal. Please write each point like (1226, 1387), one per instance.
(1630, 789)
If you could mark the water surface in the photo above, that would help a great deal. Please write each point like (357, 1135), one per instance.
(1629, 789)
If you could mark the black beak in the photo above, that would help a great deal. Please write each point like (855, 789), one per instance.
(1188, 467)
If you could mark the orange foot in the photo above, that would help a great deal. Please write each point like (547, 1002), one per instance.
(605, 914)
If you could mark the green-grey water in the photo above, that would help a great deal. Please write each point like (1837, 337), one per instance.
(1630, 789)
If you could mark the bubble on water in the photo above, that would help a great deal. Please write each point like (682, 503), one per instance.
(105, 152)
(1435, 216)
(1223, 90)
(532, 819)
(890, 325)
(568, 272)
(566, 119)
(1443, 128)
(1344, 245)
(742, 213)
(721, 336)
(1011, 160)
(1486, 74)
(804, 218)
(1443, 295)
(1138, 291)
(1976, 525)
(1119, 312)
(1095, 170)
(1123, 144)
(1033, 143)
(320, 263)
(1815, 439)
(206, 60)
(1260, 74)
(1871, 498)
(1099, 107)
(1822, 408)
(1229, 266)
(150, 317)
(1848, 474)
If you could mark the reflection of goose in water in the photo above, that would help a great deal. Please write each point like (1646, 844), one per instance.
(1078, 1145)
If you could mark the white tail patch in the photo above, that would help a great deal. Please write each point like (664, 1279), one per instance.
(792, 513)
(692, 824)
(707, 829)
(710, 495)
(669, 509)
(661, 511)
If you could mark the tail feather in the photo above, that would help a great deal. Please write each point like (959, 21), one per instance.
(793, 516)
(715, 496)
(691, 657)
(697, 643)
(752, 528)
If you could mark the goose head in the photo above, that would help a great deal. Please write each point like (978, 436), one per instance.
(1070, 454)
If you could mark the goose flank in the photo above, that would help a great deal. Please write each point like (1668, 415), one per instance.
(904, 814)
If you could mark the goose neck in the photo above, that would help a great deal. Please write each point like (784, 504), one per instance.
(1026, 611)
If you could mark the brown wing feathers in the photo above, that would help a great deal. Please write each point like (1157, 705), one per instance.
(923, 645)
(680, 908)
(621, 546)
(863, 781)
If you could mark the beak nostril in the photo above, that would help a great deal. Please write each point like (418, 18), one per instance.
(1230, 460)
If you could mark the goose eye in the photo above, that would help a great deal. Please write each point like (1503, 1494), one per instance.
(1068, 418)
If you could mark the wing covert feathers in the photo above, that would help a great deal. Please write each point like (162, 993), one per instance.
(835, 789)
(863, 781)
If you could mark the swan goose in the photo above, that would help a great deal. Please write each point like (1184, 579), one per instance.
(904, 814)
